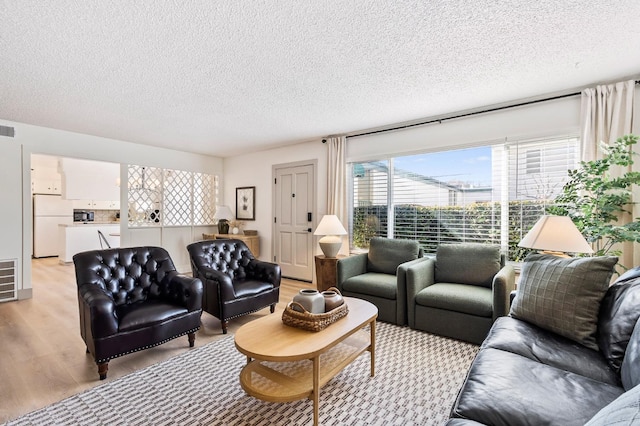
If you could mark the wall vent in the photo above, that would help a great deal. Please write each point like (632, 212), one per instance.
(7, 131)
(8, 287)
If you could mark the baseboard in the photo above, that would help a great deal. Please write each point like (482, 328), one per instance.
(26, 293)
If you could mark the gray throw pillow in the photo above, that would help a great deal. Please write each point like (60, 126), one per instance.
(563, 295)
(386, 254)
(623, 411)
(619, 313)
(630, 369)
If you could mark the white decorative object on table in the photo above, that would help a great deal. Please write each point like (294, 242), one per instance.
(311, 300)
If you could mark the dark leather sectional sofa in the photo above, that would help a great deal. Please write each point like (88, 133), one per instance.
(525, 375)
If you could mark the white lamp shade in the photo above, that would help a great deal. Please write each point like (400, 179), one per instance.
(223, 213)
(330, 225)
(557, 234)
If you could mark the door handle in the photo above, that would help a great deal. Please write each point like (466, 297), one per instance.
(308, 229)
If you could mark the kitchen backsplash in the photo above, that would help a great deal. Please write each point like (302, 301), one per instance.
(105, 215)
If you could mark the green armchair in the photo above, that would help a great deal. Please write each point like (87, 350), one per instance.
(461, 292)
(380, 276)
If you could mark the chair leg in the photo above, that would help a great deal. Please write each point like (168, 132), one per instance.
(103, 367)
(224, 326)
(192, 339)
(272, 308)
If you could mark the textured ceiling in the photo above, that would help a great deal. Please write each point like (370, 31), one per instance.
(226, 77)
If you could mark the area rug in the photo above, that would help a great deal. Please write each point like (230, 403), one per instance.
(417, 379)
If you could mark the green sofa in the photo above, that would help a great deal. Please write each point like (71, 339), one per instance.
(380, 276)
(461, 292)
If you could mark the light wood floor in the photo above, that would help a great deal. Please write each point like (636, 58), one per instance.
(43, 358)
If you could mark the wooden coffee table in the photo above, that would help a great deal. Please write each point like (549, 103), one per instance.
(287, 363)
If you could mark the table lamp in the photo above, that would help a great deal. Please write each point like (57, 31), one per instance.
(224, 215)
(556, 235)
(332, 230)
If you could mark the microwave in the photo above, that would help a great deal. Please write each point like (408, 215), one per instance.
(82, 216)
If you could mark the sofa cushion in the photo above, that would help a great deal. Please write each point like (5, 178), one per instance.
(468, 299)
(144, 314)
(481, 263)
(503, 388)
(630, 370)
(248, 288)
(386, 254)
(374, 284)
(537, 344)
(618, 315)
(563, 295)
(624, 411)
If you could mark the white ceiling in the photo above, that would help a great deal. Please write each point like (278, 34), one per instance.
(226, 77)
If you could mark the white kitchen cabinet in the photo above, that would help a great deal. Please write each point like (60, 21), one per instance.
(77, 238)
(96, 205)
(45, 175)
(90, 180)
(82, 204)
(106, 205)
(46, 186)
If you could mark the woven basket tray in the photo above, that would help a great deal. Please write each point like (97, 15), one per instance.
(312, 322)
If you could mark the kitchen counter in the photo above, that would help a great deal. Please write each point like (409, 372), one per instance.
(80, 236)
(85, 224)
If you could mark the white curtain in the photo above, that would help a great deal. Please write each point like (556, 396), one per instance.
(606, 114)
(337, 183)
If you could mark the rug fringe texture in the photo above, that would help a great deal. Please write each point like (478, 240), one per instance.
(417, 379)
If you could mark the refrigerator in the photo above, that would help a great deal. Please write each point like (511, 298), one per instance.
(49, 211)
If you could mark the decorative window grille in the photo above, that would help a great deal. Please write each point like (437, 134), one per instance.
(145, 195)
(205, 190)
(165, 197)
(178, 189)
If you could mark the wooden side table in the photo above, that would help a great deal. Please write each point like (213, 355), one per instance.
(326, 270)
(252, 241)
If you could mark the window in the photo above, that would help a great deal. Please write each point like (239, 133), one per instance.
(490, 194)
(370, 197)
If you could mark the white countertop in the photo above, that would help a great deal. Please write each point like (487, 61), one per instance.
(86, 224)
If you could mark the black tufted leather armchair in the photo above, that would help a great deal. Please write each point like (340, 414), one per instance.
(132, 299)
(235, 283)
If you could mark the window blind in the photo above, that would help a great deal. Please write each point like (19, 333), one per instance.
(370, 193)
(487, 194)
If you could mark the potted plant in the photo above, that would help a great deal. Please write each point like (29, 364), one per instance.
(598, 198)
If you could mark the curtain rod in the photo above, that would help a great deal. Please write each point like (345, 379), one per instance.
(468, 114)
(440, 120)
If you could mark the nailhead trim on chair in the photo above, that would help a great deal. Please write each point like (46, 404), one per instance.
(248, 312)
(148, 346)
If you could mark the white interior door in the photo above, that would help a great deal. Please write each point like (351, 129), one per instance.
(293, 225)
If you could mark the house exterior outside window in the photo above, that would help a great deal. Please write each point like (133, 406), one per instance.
(488, 194)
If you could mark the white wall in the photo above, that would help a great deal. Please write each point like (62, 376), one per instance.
(15, 164)
(255, 169)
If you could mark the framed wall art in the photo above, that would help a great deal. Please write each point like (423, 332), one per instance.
(246, 203)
